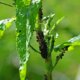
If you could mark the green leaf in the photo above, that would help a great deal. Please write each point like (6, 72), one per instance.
(59, 20)
(23, 34)
(68, 45)
(4, 24)
(26, 14)
(48, 17)
(47, 24)
(48, 27)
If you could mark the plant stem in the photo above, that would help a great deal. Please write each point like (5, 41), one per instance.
(34, 49)
(43, 47)
(6, 4)
(48, 61)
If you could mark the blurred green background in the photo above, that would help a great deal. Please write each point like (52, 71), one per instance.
(68, 68)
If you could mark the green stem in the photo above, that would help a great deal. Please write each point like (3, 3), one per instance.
(49, 66)
(34, 49)
(43, 47)
(6, 4)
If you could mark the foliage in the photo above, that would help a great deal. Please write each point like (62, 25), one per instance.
(4, 24)
(25, 23)
(29, 18)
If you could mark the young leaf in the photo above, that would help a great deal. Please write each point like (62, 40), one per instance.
(48, 17)
(47, 24)
(4, 24)
(59, 20)
(54, 25)
(75, 41)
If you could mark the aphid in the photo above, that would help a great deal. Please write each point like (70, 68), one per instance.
(42, 44)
